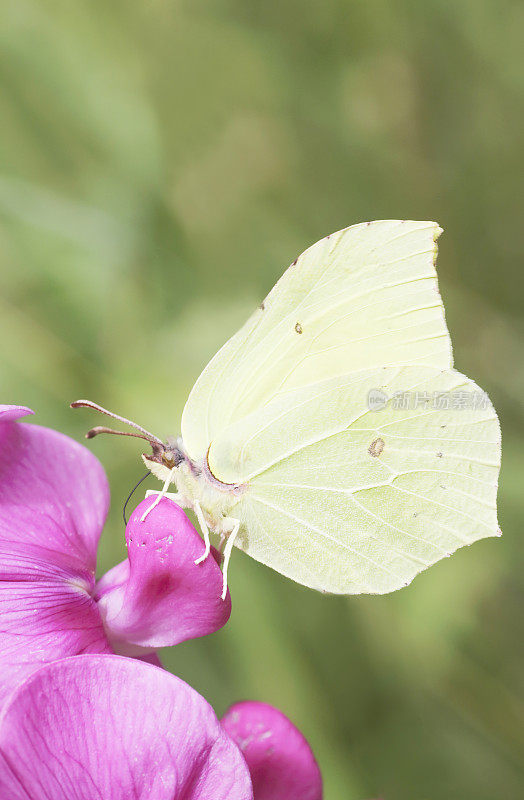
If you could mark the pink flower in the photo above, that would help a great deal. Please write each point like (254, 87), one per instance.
(280, 760)
(114, 728)
(54, 498)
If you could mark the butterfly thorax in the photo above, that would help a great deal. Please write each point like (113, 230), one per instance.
(195, 482)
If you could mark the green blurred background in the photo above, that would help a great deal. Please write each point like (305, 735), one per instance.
(161, 163)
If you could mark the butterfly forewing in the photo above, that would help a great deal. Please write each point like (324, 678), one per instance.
(363, 297)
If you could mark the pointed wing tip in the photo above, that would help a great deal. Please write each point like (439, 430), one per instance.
(429, 224)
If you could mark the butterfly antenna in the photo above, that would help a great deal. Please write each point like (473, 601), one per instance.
(102, 429)
(149, 437)
(131, 493)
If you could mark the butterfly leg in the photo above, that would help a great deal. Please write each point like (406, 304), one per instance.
(205, 532)
(176, 497)
(159, 495)
(227, 553)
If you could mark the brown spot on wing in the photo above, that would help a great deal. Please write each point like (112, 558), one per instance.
(376, 447)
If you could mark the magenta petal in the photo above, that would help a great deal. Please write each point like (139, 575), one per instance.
(12, 413)
(61, 481)
(53, 501)
(41, 621)
(115, 728)
(46, 608)
(160, 597)
(280, 760)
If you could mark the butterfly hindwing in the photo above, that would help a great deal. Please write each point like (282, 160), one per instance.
(346, 499)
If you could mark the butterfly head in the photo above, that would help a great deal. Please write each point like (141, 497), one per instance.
(164, 458)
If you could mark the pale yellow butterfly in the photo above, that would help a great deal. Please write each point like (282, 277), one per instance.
(330, 438)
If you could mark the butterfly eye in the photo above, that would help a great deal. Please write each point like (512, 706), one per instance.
(172, 457)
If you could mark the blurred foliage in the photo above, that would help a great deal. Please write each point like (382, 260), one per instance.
(161, 163)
